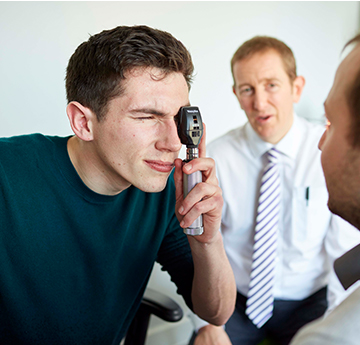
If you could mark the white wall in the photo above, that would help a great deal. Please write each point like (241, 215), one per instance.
(37, 39)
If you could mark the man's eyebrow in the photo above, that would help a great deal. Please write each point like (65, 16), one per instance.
(271, 79)
(242, 85)
(151, 111)
(326, 115)
(325, 106)
(261, 80)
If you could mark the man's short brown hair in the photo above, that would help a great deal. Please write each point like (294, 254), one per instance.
(98, 66)
(260, 44)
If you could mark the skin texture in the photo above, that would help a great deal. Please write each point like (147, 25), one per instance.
(339, 159)
(137, 144)
(266, 94)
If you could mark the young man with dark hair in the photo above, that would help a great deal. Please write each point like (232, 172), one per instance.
(83, 218)
(340, 159)
(279, 235)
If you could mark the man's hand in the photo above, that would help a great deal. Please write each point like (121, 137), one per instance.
(213, 292)
(212, 335)
(205, 198)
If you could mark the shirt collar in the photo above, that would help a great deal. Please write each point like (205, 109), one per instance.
(289, 145)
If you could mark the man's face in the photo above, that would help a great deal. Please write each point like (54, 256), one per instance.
(339, 159)
(137, 143)
(266, 94)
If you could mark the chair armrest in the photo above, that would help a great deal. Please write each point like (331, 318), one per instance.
(155, 303)
(347, 267)
(162, 306)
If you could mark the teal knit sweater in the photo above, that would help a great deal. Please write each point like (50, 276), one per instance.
(73, 263)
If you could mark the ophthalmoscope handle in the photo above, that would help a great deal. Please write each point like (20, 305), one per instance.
(189, 182)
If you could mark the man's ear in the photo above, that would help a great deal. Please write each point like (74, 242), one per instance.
(298, 86)
(234, 90)
(81, 120)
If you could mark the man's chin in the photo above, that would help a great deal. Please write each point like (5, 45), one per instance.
(155, 186)
(335, 207)
(345, 211)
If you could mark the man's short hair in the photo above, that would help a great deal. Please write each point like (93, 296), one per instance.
(261, 44)
(353, 96)
(98, 66)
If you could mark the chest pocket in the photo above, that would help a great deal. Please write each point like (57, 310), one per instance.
(311, 216)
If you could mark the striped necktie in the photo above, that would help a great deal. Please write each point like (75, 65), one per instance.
(259, 305)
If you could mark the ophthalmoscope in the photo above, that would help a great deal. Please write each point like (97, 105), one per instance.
(190, 130)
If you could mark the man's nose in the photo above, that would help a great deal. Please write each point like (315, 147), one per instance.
(169, 139)
(260, 100)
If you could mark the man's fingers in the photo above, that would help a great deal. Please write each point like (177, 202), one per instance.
(202, 145)
(206, 166)
(202, 199)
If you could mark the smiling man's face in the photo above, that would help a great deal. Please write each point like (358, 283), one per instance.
(266, 94)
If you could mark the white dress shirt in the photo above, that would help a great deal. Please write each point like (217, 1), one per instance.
(310, 237)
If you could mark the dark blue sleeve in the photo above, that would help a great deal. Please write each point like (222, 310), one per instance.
(175, 257)
(175, 254)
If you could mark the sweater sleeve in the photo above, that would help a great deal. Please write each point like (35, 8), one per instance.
(175, 257)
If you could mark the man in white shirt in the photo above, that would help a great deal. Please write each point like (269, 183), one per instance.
(300, 240)
(340, 158)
